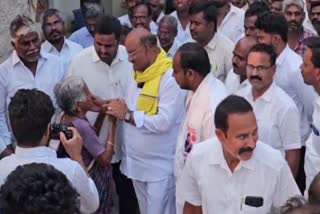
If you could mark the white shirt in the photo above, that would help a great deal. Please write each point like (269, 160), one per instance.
(198, 122)
(277, 117)
(124, 20)
(312, 157)
(14, 75)
(232, 82)
(84, 185)
(69, 49)
(208, 181)
(232, 24)
(183, 35)
(159, 18)
(107, 82)
(220, 52)
(175, 46)
(149, 146)
(288, 77)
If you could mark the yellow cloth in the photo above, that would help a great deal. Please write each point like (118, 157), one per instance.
(148, 98)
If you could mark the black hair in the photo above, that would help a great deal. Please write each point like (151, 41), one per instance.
(264, 48)
(230, 105)
(38, 188)
(194, 56)
(256, 8)
(272, 22)
(313, 43)
(210, 12)
(30, 112)
(108, 25)
(145, 5)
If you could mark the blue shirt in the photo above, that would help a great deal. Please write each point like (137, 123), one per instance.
(82, 37)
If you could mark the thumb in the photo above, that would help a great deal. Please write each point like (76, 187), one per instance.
(63, 138)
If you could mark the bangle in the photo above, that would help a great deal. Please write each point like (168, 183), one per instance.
(110, 143)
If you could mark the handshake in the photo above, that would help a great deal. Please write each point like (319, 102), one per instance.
(115, 108)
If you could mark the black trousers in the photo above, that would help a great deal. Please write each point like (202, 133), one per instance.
(301, 177)
(128, 203)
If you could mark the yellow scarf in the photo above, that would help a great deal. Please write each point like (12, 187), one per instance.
(148, 98)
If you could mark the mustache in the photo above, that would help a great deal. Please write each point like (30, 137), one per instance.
(255, 77)
(245, 149)
(315, 21)
(234, 65)
(33, 52)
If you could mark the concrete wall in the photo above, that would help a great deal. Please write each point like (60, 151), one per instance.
(8, 10)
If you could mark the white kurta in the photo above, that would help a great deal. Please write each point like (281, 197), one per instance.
(208, 181)
(149, 146)
(198, 124)
(183, 35)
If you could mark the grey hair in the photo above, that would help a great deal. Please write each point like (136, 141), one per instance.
(298, 3)
(92, 10)
(48, 13)
(69, 92)
(172, 21)
(149, 40)
(19, 22)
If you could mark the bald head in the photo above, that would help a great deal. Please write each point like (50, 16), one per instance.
(247, 43)
(240, 53)
(136, 35)
(142, 48)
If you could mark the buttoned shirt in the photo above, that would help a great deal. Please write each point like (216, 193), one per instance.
(175, 46)
(107, 82)
(301, 46)
(288, 77)
(277, 117)
(183, 34)
(69, 49)
(220, 54)
(84, 185)
(208, 181)
(14, 75)
(124, 20)
(82, 37)
(232, 82)
(232, 24)
(149, 146)
(312, 157)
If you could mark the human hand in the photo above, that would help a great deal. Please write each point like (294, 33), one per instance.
(98, 102)
(117, 108)
(72, 146)
(8, 151)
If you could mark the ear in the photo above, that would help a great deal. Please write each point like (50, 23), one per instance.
(317, 70)
(47, 133)
(13, 44)
(220, 135)
(190, 74)
(211, 26)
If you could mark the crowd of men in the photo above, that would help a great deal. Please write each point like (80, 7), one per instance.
(216, 107)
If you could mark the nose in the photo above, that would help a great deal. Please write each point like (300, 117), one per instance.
(252, 141)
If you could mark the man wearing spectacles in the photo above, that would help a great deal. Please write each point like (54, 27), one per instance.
(311, 73)
(277, 114)
(152, 112)
(142, 17)
(56, 43)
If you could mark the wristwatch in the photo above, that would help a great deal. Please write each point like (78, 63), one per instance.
(127, 116)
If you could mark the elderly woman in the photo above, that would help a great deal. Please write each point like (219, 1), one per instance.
(75, 100)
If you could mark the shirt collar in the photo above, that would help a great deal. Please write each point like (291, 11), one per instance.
(49, 47)
(213, 42)
(281, 58)
(218, 159)
(35, 152)
(121, 56)
(16, 60)
(266, 96)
